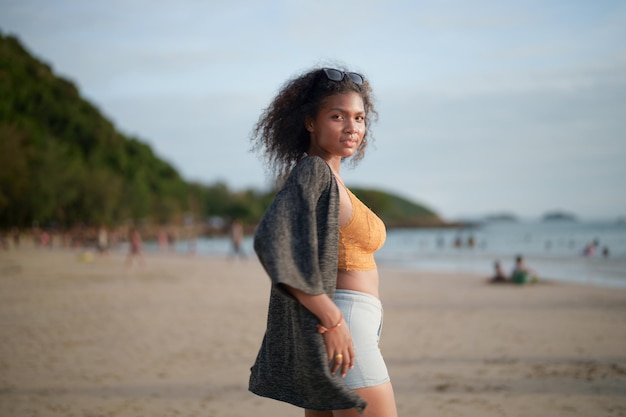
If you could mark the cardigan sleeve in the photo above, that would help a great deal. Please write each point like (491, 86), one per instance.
(298, 227)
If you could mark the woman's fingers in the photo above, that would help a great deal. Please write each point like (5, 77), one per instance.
(345, 366)
(341, 362)
(337, 362)
(351, 353)
(340, 350)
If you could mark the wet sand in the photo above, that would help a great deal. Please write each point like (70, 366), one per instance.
(177, 338)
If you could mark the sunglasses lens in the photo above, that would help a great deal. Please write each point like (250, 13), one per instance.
(333, 74)
(336, 75)
(356, 78)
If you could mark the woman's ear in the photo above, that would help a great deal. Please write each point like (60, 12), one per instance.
(308, 124)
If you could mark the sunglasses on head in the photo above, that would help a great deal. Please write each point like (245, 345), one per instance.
(337, 75)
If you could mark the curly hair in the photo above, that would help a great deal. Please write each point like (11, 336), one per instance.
(280, 134)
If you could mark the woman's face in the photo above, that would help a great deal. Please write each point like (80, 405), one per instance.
(339, 127)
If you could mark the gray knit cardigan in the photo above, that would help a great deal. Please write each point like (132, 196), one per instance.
(297, 244)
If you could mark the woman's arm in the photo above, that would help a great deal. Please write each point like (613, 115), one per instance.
(338, 340)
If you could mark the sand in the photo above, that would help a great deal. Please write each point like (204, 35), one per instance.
(177, 338)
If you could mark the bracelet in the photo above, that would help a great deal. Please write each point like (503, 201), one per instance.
(321, 329)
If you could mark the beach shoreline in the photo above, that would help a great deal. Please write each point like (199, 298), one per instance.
(85, 335)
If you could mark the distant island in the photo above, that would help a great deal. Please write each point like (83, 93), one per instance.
(501, 217)
(559, 216)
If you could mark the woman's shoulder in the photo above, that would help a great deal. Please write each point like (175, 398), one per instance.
(312, 171)
(312, 163)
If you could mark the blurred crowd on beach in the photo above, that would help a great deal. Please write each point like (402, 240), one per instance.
(103, 240)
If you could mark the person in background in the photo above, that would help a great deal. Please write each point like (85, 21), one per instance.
(316, 242)
(162, 240)
(135, 248)
(499, 276)
(236, 237)
(521, 273)
(15, 232)
(590, 249)
(103, 240)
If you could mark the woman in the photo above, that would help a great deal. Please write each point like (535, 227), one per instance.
(316, 242)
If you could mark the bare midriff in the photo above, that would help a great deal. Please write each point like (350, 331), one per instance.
(362, 281)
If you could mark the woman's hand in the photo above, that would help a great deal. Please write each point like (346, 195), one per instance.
(337, 338)
(339, 348)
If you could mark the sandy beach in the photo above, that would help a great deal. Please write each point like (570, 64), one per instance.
(177, 338)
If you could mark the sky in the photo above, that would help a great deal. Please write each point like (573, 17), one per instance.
(485, 107)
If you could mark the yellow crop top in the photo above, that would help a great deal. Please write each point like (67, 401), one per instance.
(363, 235)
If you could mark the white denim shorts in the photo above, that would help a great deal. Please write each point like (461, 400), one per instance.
(364, 315)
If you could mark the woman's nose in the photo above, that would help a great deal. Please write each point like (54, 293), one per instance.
(352, 127)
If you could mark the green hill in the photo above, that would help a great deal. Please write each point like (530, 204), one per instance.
(397, 211)
(62, 163)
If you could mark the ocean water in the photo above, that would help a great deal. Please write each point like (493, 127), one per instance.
(553, 249)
